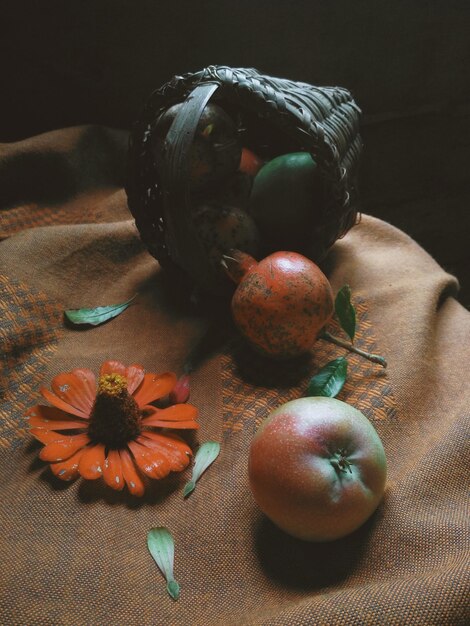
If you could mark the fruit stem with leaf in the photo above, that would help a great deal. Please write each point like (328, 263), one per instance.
(346, 314)
(265, 290)
(375, 358)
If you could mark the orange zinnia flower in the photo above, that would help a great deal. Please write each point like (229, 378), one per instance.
(113, 426)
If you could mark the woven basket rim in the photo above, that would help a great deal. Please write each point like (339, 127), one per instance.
(322, 120)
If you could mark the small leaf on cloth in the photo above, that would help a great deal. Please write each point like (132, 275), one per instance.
(162, 548)
(205, 456)
(98, 315)
(345, 311)
(330, 379)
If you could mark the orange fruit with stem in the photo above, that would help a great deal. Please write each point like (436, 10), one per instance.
(281, 303)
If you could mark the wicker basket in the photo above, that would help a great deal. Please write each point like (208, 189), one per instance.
(279, 116)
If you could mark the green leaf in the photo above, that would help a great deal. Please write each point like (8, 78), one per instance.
(188, 488)
(205, 456)
(330, 379)
(162, 548)
(98, 315)
(173, 589)
(345, 311)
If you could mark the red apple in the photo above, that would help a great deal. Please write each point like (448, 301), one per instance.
(317, 468)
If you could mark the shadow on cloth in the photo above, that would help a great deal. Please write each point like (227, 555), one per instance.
(260, 371)
(89, 491)
(307, 565)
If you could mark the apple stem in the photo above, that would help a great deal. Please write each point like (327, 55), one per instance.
(342, 464)
(375, 358)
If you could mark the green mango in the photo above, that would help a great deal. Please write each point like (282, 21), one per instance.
(287, 193)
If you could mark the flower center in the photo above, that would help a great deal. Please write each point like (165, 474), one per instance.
(115, 417)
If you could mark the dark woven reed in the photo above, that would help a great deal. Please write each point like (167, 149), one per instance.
(278, 116)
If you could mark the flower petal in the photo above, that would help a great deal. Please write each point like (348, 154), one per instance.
(133, 480)
(46, 436)
(89, 383)
(49, 417)
(168, 440)
(67, 470)
(150, 462)
(176, 425)
(176, 412)
(154, 386)
(135, 375)
(62, 449)
(73, 390)
(175, 416)
(177, 459)
(112, 471)
(60, 404)
(113, 367)
(39, 422)
(92, 462)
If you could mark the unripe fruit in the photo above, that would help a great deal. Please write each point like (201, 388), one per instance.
(286, 200)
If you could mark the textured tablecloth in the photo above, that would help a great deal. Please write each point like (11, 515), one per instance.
(76, 553)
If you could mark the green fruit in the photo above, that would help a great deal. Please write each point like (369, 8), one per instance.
(286, 193)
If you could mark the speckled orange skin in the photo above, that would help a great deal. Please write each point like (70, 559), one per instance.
(281, 304)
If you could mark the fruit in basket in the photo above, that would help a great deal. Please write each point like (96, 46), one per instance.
(287, 194)
(317, 468)
(221, 228)
(281, 303)
(250, 163)
(234, 191)
(215, 151)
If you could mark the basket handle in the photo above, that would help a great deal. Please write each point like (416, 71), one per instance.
(184, 245)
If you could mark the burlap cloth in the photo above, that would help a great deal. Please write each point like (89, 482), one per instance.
(76, 554)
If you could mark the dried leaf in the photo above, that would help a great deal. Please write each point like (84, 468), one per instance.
(162, 548)
(98, 315)
(205, 456)
(345, 311)
(329, 380)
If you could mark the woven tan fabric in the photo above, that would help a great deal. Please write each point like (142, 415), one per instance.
(76, 554)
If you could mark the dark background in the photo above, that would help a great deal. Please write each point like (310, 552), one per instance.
(407, 63)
